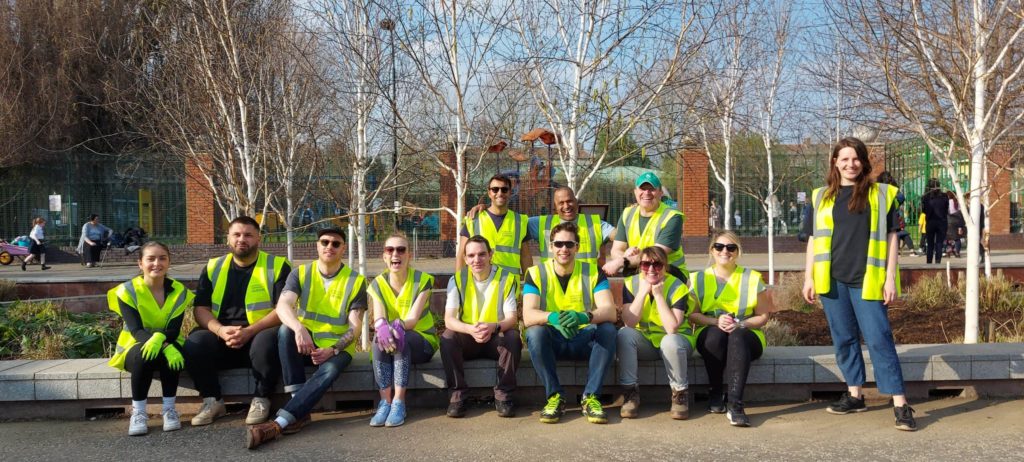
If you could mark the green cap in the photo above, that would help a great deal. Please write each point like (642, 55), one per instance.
(648, 177)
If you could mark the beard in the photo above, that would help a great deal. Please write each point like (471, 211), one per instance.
(244, 254)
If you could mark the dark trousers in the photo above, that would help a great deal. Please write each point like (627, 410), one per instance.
(934, 239)
(206, 354)
(728, 357)
(142, 374)
(92, 252)
(908, 241)
(293, 365)
(456, 347)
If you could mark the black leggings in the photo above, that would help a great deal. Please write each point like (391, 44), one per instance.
(142, 374)
(728, 355)
(934, 238)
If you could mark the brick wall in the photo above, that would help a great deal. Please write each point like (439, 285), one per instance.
(1000, 179)
(449, 198)
(692, 191)
(876, 153)
(199, 206)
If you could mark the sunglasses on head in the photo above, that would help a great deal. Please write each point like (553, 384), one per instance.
(730, 247)
(564, 244)
(328, 242)
(395, 250)
(649, 265)
(497, 189)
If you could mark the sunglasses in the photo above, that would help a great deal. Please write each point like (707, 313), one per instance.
(649, 265)
(730, 247)
(564, 244)
(328, 242)
(497, 189)
(395, 250)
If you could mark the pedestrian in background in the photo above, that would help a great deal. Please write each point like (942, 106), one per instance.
(37, 251)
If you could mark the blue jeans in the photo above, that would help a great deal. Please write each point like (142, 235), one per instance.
(850, 316)
(546, 345)
(293, 366)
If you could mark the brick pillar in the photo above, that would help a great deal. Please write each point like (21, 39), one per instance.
(692, 191)
(199, 206)
(876, 153)
(449, 198)
(999, 177)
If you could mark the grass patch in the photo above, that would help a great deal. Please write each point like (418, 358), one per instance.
(787, 294)
(45, 330)
(932, 294)
(777, 333)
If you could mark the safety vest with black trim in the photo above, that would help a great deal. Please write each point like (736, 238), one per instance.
(873, 285)
(506, 241)
(398, 306)
(475, 307)
(738, 298)
(578, 294)
(155, 318)
(590, 237)
(647, 237)
(259, 294)
(650, 324)
(324, 311)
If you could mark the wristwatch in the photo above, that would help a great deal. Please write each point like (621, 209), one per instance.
(336, 351)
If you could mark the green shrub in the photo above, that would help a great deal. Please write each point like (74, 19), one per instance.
(8, 290)
(931, 294)
(778, 334)
(45, 330)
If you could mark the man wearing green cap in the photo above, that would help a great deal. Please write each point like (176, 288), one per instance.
(648, 223)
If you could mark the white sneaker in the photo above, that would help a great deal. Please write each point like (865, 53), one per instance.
(259, 411)
(211, 409)
(139, 423)
(172, 421)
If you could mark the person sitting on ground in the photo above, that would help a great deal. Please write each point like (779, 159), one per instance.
(733, 308)
(481, 321)
(94, 238)
(152, 307)
(654, 317)
(321, 310)
(403, 325)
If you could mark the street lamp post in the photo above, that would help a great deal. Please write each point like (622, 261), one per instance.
(389, 25)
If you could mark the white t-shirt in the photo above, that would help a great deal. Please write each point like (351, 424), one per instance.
(37, 233)
(452, 303)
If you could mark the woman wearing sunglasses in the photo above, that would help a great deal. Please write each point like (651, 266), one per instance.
(656, 305)
(734, 306)
(404, 326)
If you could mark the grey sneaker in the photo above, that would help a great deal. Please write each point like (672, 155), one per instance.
(259, 411)
(212, 409)
(139, 423)
(172, 421)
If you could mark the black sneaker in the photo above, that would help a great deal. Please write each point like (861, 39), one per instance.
(457, 409)
(716, 403)
(505, 408)
(553, 410)
(905, 418)
(737, 417)
(44, 267)
(846, 405)
(23, 266)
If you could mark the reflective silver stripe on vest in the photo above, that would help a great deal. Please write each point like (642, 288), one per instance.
(460, 287)
(588, 292)
(476, 224)
(543, 287)
(881, 224)
(508, 269)
(543, 230)
(744, 294)
(820, 232)
(516, 221)
(327, 335)
(307, 287)
(595, 243)
(213, 280)
(269, 270)
(698, 287)
(628, 221)
(500, 294)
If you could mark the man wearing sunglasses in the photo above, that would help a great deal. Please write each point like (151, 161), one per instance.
(237, 325)
(651, 222)
(503, 228)
(321, 309)
(569, 313)
(593, 230)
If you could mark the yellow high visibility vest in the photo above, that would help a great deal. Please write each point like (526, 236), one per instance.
(591, 237)
(325, 311)
(506, 242)
(259, 295)
(398, 306)
(738, 297)
(579, 293)
(874, 273)
(650, 324)
(642, 238)
(135, 293)
(475, 307)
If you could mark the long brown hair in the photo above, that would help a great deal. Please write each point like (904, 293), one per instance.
(859, 200)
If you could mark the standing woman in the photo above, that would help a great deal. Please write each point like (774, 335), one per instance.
(733, 308)
(935, 208)
(404, 326)
(38, 249)
(852, 264)
(153, 307)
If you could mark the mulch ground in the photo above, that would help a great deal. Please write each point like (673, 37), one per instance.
(941, 326)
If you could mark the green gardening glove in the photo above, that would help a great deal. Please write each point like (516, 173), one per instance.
(567, 319)
(553, 318)
(581, 317)
(152, 347)
(174, 358)
(567, 332)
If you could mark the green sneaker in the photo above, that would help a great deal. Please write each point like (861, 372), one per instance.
(553, 411)
(593, 411)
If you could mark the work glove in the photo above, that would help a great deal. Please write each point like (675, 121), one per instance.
(567, 319)
(553, 318)
(151, 348)
(383, 337)
(398, 335)
(174, 359)
(567, 332)
(581, 317)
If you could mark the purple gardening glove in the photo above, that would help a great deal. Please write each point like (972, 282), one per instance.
(384, 337)
(398, 333)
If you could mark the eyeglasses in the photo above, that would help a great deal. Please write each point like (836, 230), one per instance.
(564, 244)
(732, 248)
(651, 265)
(395, 250)
(328, 242)
(497, 189)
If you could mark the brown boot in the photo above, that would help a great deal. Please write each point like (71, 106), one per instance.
(294, 428)
(261, 433)
(680, 409)
(630, 402)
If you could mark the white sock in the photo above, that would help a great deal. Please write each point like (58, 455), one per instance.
(168, 403)
(281, 421)
(139, 405)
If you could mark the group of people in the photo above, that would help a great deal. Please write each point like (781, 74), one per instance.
(254, 310)
(942, 223)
